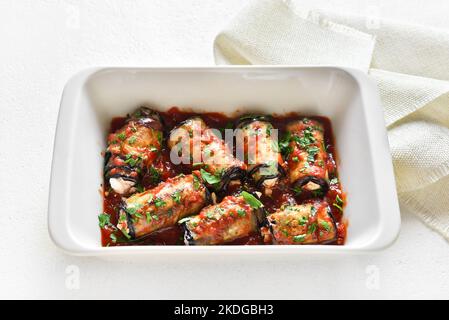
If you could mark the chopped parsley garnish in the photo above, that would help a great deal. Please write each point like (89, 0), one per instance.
(159, 137)
(132, 140)
(176, 196)
(125, 233)
(325, 225)
(306, 166)
(241, 212)
(303, 220)
(196, 182)
(158, 202)
(155, 176)
(132, 210)
(252, 200)
(297, 190)
(103, 220)
(121, 136)
(133, 160)
(312, 228)
(210, 215)
(312, 152)
(295, 159)
(150, 198)
(284, 145)
(209, 178)
(299, 238)
(338, 203)
(268, 131)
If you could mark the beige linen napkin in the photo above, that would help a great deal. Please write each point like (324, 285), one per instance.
(409, 63)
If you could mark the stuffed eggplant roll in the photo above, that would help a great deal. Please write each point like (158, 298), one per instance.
(195, 144)
(309, 223)
(306, 156)
(260, 149)
(163, 206)
(233, 218)
(131, 149)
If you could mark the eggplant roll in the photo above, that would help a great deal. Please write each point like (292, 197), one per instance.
(309, 223)
(260, 149)
(306, 156)
(231, 219)
(132, 148)
(197, 145)
(163, 206)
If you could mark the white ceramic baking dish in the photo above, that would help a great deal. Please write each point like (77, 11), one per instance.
(93, 97)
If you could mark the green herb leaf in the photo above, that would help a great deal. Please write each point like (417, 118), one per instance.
(176, 196)
(284, 145)
(210, 215)
(338, 200)
(299, 238)
(312, 152)
(241, 212)
(196, 182)
(325, 225)
(149, 217)
(121, 136)
(103, 220)
(154, 175)
(303, 220)
(312, 228)
(159, 202)
(297, 190)
(209, 178)
(252, 200)
(339, 203)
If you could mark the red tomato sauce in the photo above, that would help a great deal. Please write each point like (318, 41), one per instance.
(281, 194)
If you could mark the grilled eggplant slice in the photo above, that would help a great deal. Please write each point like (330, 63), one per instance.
(260, 149)
(233, 218)
(161, 207)
(309, 223)
(306, 157)
(198, 146)
(133, 148)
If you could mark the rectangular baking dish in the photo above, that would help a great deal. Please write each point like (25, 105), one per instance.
(93, 97)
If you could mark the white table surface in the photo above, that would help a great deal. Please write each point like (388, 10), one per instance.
(43, 43)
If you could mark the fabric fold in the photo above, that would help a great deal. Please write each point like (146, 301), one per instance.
(409, 64)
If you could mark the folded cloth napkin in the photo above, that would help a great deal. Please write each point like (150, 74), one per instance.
(409, 63)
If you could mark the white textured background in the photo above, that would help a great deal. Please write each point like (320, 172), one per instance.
(42, 43)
